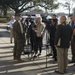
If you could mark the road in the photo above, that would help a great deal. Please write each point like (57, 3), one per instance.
(29, 67)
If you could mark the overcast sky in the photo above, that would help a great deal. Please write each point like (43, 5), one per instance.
(62, 9)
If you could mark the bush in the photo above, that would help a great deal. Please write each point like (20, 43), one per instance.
(3, 20)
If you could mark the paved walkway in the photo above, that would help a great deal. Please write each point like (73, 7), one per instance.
(36, 67)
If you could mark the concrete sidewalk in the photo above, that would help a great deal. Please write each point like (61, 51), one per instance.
(29, 67)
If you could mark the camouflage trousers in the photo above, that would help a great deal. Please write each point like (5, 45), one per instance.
(18, 48)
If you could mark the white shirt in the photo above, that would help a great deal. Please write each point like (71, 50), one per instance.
(11, 23)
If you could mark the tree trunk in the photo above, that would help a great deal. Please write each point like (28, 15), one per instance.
(2, 13)
(5, 12)
(17, 11)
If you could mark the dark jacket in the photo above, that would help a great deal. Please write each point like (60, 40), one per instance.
(52, 34)
(63, 36)
(72, 25)
(73, 33)
(28, 20)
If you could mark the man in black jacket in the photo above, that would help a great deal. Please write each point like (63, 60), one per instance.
(72, 23)
(52, 38)
(62, 42)
(28, 23)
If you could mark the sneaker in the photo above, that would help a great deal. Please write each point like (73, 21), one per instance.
(39, 54)
(55, 59)
(14, 59)
(59, 72)
(34, 56)
(19, 60)
(65, 71)
(71, 62)
(11, 42)
(49, 55)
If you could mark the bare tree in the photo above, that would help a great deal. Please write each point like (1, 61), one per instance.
(21, 5)
(68, 5)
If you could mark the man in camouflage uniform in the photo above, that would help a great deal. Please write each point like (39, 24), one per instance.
(19, 38)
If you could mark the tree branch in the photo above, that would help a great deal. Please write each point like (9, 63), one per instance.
(26, 8)
(23, 6)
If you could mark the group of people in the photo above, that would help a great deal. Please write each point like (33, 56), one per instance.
(61, 37)
(51, 26)
(34, 31)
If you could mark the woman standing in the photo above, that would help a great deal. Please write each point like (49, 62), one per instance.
(39, 32)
